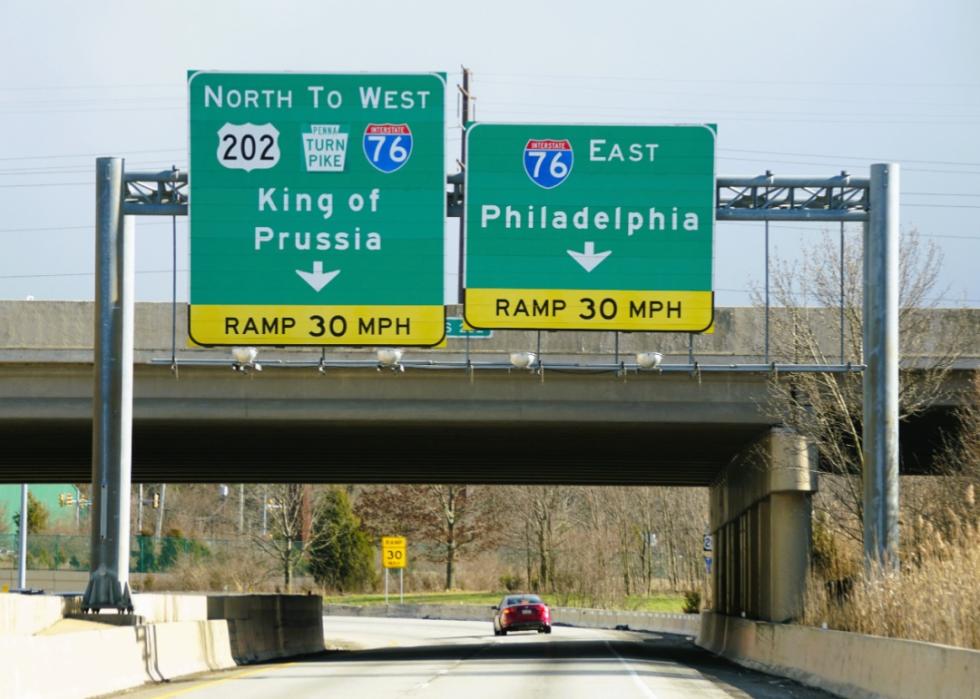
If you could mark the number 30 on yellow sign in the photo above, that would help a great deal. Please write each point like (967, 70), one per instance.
(394, 552)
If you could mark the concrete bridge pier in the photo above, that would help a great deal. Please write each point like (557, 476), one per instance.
(760, 518)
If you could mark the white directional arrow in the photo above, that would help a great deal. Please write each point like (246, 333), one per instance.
(589, 258)
(317, 278)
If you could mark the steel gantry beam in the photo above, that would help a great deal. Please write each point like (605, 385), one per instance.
(161, 193)
(750, 198)
(770, 198)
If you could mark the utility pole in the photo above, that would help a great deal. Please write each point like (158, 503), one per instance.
(265, 510)
(464, 90)
(78, 507)
(158, 530)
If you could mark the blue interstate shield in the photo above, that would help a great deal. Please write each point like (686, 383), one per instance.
(387, 146)
(548, 161)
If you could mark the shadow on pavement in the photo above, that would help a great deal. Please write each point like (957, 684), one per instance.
(634, 647)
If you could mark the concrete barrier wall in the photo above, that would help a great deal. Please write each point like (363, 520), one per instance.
(681, 624)
(264, 627)
(187, 634)
(61, 581)
(850, 665)
(90, 663)
(162, 607)
(48, 580)
(24, 615)
(452, 612)
(685, 624)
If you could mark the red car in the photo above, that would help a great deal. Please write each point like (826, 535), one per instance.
(521, 613)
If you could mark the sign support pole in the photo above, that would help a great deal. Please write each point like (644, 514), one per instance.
(401, 586)
(112, 420)
(22, 536)
(881, 272)
(386, 587)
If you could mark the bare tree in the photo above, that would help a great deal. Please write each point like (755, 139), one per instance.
(453, 519)
(546, 518)
(804, 328)
(288, 536)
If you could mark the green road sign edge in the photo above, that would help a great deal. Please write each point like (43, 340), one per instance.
(711, 128)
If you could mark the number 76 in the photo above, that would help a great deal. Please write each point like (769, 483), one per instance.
(396, 151)
(556, 168)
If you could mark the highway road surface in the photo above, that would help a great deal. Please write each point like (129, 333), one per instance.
(464, 660)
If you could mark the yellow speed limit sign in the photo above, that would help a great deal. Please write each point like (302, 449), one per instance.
(394, 552)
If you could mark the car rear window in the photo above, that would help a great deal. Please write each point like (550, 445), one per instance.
(523, 599)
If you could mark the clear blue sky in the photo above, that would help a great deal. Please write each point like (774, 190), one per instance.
(795, 88)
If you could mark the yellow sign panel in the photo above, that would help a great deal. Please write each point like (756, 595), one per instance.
(394, 551)
(316, 325)
(564, 309)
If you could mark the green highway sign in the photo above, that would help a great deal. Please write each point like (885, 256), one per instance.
(317, 208)
(574, 227)
(457, 328)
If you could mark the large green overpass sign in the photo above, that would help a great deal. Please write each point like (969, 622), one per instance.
(317, 209)
(589, 227)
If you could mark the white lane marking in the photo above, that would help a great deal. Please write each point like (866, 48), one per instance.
(636, 678)
(444, 671)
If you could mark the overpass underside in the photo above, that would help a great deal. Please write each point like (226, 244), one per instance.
(327, 452)
(361, 425)
(210, 424)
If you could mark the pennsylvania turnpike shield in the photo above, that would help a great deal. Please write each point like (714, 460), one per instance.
(548, 161)
(387, 146)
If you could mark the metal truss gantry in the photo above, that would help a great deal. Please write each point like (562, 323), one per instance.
(752, 198)
(771, 198)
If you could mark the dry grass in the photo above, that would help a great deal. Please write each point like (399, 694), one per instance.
(247, 571)
(934, 597)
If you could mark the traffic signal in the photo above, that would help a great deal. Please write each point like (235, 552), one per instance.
(156, 501)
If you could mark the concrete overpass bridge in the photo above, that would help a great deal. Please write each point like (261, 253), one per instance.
(590, 414)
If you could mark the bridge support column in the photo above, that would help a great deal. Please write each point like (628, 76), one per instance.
(760, 518)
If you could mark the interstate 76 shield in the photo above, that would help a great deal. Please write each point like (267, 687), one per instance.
(387, 146)
(548, 161)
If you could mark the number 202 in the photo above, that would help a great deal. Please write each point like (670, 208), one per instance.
(246, 148)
